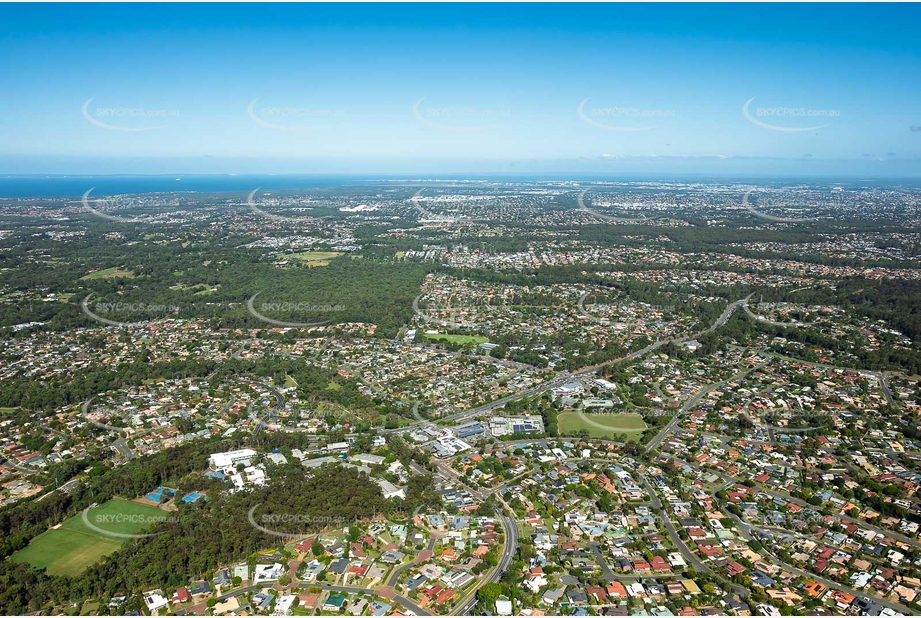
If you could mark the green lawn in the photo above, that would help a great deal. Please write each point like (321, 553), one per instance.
(70, 548)
(461, 339)
(314, 258)
(630, 424)
(108, 273)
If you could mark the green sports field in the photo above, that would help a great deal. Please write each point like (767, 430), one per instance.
(630, 424)
(461, 339)
(70, 548)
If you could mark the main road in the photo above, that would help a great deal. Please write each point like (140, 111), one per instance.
(678, 542)
(694, 400)
(509, 549)
(279, 404)
(564, 377)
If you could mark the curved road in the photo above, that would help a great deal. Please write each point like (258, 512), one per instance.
(563, 377)
(279, 404)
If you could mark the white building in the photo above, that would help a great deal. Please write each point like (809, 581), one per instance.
(154, 600)
(284, 604)
(277, 458)
(390, 490)
(569, 389)
(268, 572)
(604, 384)
(230, 459)
(506, 425)
(371, 460)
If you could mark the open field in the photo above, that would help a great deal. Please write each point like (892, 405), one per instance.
(461, 339)
(108, 273)
(314, 258)
(630, 424)
(71, 547)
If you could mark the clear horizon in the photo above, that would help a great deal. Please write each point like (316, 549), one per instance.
(777, 90)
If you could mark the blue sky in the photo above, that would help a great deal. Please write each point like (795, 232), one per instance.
(453, 88)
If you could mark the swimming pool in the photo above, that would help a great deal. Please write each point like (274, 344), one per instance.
(160, 494)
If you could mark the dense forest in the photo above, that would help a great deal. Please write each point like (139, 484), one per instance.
(194, 278)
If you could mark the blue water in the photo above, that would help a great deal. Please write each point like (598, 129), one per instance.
(75, 186)
(160, 494)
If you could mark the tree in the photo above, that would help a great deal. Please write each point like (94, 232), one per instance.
(317, 549)
(488, 594)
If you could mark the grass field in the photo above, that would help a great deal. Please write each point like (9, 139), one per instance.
(314, 258)
(630, 424)
(70, 548)
(461, 339)
(108, 273)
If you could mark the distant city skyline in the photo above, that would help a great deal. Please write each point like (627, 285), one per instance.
(781, 89)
